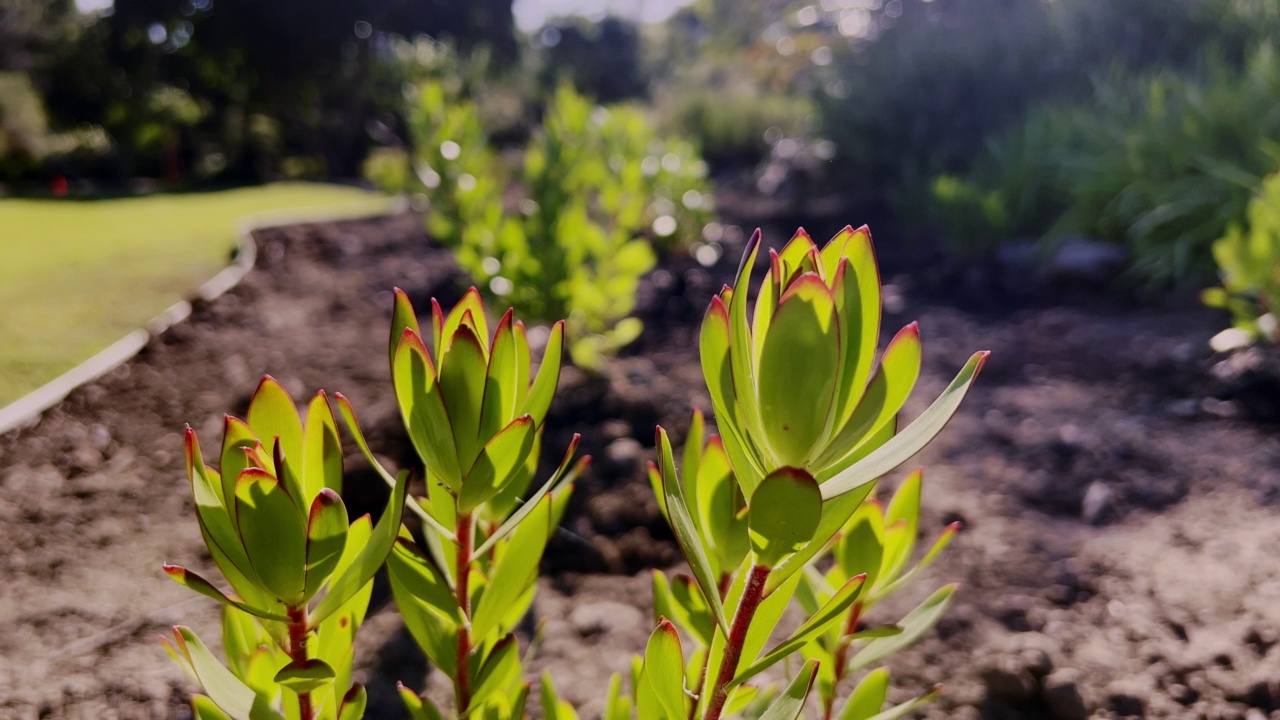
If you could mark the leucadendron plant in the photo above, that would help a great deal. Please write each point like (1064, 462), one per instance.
(809, 424)
(300, 573)
(474, 413)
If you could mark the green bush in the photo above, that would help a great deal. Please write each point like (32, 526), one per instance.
(1161, 164)
(598, 189)
(917, 95)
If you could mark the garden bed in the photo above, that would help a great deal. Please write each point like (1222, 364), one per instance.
(1119, 523)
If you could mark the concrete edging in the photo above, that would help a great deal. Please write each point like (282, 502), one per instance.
(28, 409)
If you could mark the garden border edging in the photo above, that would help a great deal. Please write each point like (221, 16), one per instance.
(28, 409)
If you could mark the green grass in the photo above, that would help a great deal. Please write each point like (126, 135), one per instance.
(75, 276)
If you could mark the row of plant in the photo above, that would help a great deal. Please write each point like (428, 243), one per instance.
(570, 229)
(779, 510)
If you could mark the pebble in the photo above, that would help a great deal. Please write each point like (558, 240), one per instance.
(1063, 697)
(1097, 503)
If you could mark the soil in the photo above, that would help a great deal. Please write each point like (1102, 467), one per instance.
(1120, 521)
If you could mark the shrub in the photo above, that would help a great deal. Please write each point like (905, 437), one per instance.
(1248, 258)
(917, 86)
(600, 188)
(755, 512)
(1160, 164)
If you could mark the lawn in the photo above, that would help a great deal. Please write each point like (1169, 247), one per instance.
(75, 276)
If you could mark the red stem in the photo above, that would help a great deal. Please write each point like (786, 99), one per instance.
(842, 658)
(298, 654)
(752, 594)
(462, 679)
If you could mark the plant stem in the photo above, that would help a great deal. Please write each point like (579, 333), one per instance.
(298, 653)
(462, 679)
(842, 658)
(752, 594)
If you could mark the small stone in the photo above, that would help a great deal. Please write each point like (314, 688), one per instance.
(605, 617)
(1126, 700)
(624, 450)
(1063, 697)
(1007, 679)
(1037, 662)
(1097, 503)
(1182, 694)
(1085, 261)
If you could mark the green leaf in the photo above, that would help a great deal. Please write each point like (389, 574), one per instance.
(462, 378)
(861, 548)
(422, 408)
(790, 703)
(273, 534)
(326, 538)
(717, 370)
(354, 703)
(741, 365)
(336, 634)
(514, 571)
(305, 676)
(559, 477)
(690, 461)
(661, 693)
(901, 711)
(720, 505)
(498, 462)
(203, 708)
(216, 518)
(661, 591)
(402, 318)
(857, 291)
(273, 415)
(783, 514)
(236, 436)
(911, 440)
(322, 448)
(798, 370)
(617, 706)
(498, 669)
(468, 312)
(831, 612)
(938, 546)
(835, 513)
(419, 707)
(902, 518)
(686, 533)
(231, 695)
(538, 401)
(500, 390)
(868, 697)
(914, 626)
(885, 394)
(427, 605)
(553, 708)
(370, 558)
(190, 579)
(690, 608)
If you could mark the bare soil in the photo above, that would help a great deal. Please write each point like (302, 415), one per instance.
(1118, 558)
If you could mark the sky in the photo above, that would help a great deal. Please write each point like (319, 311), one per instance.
(531, 14)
